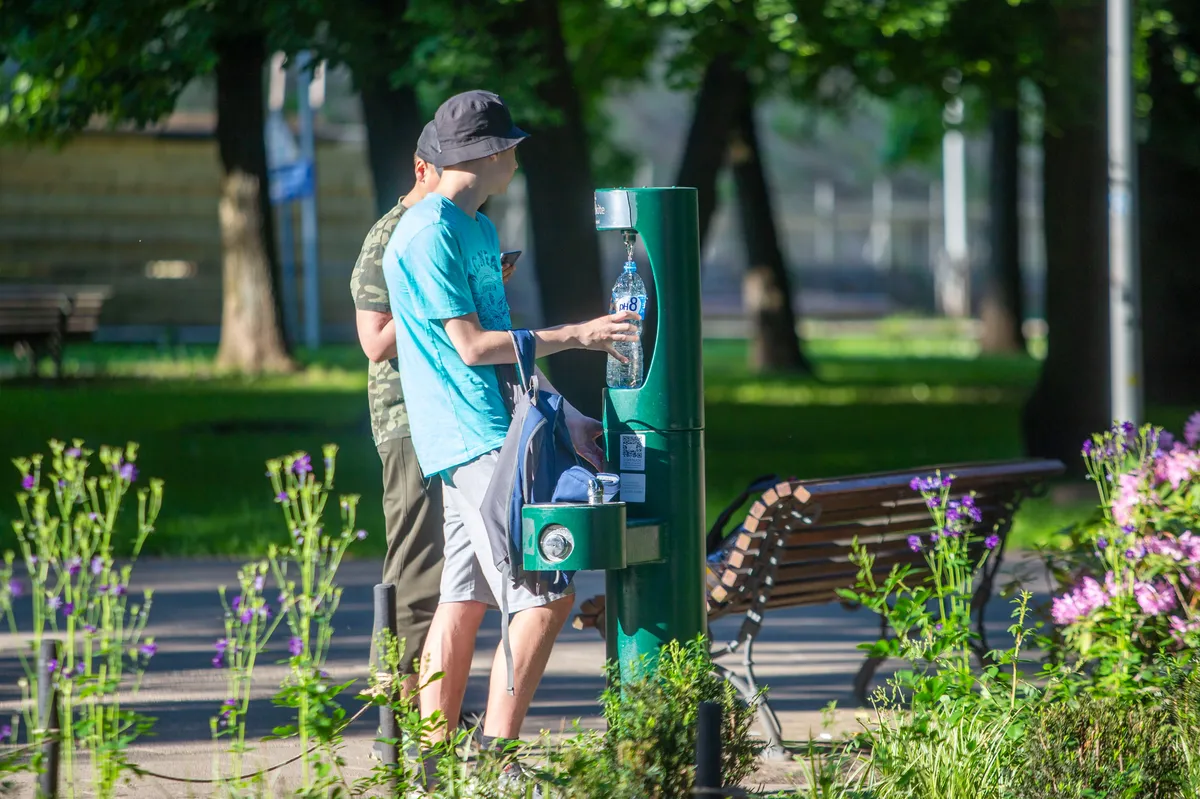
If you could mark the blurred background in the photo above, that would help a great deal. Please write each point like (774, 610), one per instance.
(903, 213)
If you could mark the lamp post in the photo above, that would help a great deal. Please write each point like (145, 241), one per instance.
(1124, 290)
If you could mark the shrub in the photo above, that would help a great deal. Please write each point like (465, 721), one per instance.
(649, 748)
(1102, 747)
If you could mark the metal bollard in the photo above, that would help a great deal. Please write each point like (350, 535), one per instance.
(708, 750)
(48, 720)
(385, 619)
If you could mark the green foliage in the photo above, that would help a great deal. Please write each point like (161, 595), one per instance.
(1103, 747)
(649, 748)
(75, 60)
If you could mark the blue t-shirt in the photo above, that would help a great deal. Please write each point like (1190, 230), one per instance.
(440, 263)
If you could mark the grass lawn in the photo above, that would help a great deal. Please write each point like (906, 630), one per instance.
(208, 436)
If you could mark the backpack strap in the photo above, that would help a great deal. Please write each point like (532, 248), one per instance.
(526, 348)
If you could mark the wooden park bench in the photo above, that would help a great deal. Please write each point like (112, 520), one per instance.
(794, 546)
(44, 318)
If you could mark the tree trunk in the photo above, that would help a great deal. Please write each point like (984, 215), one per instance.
(1071, 399)
(707, 144)
(558, 180)
(393, 121)
(1002, 311)
(766, 290)
(251, 334)
(1169, 182)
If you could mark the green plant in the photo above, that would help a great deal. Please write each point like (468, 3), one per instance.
(67, 537)
(1113, 747)
(305, 572)
(649, 748)
(249, 625)
(1129, 582)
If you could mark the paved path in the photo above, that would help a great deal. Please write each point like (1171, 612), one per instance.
(807, 656)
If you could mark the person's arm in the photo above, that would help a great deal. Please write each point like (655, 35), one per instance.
(479, 347)
(376, 334)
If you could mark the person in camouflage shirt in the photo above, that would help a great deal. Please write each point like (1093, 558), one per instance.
(412, 508)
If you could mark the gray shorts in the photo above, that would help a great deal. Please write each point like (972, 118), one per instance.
(468, 571)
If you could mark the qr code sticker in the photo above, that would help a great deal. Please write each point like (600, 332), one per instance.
(633, 452)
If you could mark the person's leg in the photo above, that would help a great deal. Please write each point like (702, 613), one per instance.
(531, 633)
(413, 564)
(449, 649)
(536, 620)
(450, 644)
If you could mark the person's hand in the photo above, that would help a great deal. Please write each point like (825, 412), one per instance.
(584, 431)
(506, 270)
(600, 333)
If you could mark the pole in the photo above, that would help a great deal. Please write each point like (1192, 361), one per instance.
(47, 714)
(287, 242)
(708, 749)
(1124, 326)
(385, 619)
(308, 207)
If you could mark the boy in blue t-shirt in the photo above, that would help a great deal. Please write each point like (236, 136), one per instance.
(442, 268)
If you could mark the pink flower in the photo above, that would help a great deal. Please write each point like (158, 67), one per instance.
(1079, 602)
(1177, 466)
(1191, 429)
(1128, 497)
(1181, 627)
(1154, 599)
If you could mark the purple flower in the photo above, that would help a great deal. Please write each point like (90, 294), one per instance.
(118, 590)
(1088, 446)
(295, 646)
(51, 666)
(149, 649)
(15, 588)
(93, 516)
(54, 602)
(1191, 429)
(281, 496)
(992, 541)
(246, 616)
(89, 628)
(218, 661)
(914, 543)
(97, 565)
(74, 565)
(80, 669)
(27, 482)
(128, 472)
(933, 537)
(1101, 543)
(5, 733)
(934, 502)
(227, 709)
(68, 608)
(302, 465)
(938, 626)
(73, 452)
(221, 645)
(361, 535)
(259, 582)
(237, 603)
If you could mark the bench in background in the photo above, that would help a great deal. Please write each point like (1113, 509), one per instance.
(45, 318)
(794, 547)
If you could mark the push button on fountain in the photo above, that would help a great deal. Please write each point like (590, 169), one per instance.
(557, 543)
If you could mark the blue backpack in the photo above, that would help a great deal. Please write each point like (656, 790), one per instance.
(537, 463)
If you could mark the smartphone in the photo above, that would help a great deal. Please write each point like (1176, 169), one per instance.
(509, 259)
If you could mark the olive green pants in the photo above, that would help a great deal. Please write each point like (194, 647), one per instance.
(412, 511)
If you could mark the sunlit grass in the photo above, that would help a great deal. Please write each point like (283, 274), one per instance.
(208, 434)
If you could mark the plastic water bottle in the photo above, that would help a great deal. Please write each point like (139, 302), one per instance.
(628, 294)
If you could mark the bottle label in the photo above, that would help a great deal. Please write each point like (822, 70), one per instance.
(631, 303)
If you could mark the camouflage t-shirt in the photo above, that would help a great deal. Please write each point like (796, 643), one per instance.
(389, 417)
